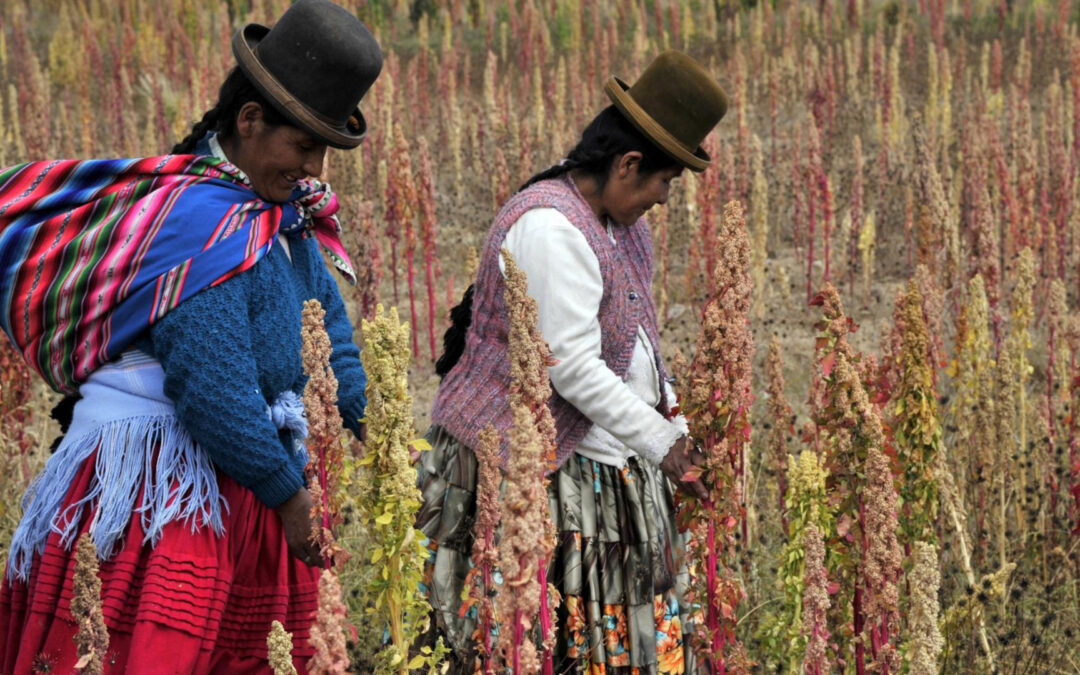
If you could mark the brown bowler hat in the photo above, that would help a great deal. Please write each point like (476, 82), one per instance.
(675, 103)
(314, 66)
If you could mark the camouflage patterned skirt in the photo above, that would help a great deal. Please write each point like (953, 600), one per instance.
(619, 564)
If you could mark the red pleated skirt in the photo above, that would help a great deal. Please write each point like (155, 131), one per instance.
(194, 603)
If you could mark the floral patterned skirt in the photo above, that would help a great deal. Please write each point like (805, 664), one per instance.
(619, 565)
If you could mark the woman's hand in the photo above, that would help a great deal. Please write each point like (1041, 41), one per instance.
(295, 517)
(681, 458)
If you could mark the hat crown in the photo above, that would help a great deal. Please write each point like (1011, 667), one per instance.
(676, 103)
(317, 55)
(681, 96)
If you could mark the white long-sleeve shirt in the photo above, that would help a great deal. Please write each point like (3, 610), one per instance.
(564, 278)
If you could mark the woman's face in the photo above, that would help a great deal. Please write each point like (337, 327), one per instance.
(629, 193)
(275, 158)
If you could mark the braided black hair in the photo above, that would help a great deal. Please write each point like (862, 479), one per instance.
(454, 338)
(235, 91)
(607, 137)
(63, 412)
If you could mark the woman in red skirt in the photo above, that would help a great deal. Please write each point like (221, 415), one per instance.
(166, 292)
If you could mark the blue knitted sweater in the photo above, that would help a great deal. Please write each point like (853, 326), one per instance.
(231, 349)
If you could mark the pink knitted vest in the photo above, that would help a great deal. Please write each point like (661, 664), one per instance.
(475, 392)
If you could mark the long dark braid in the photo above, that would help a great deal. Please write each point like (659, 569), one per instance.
(198, 130)
(454, 337)
(235, 91)
(607, 137)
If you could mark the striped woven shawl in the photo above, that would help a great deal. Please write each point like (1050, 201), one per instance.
(92, 252)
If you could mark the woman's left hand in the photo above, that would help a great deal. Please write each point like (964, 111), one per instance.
(678, 465)
(295, 517)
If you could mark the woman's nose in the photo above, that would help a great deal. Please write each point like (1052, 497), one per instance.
(313, 163)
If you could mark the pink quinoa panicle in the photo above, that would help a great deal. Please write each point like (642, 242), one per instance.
(325, 450)
(717, 401)
(815, 603)
(781, 421)
(328, 632)
(522, 603)
(485, 554)
(92, 638)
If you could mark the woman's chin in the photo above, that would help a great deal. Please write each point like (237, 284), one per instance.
(277, 195)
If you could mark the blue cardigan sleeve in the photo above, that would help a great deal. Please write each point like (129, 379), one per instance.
(345, 357)
(205, 348)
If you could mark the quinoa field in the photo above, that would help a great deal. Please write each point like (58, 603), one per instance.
(870, 302)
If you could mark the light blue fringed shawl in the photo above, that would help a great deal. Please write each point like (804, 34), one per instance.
(125, 415)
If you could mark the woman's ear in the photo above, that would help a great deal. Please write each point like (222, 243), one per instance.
(628, 164)
(248, 119)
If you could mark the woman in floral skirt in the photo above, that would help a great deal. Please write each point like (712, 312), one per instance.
(579, 233)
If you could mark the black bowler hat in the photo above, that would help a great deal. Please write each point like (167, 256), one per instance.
(314, 66)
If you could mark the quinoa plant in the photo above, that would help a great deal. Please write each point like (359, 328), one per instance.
(480, 587)
(1014, 372)
(400, 206)
(916, 431)
(708, 198)
(785, 638)
(389, 499)
(867, 246)
(323, 441)
(323, 470)
(327, 636)
(815, 604)
(973, 403)
(659, 219)
(92, 638)
(867, 556)
(934, 219)
(717, 401)
(279, 646)
(528, 533)
(1055, 406)
(857, 214)
(923, 644)
(759, 219)
(781, 426)
(813, 195)
(367, 252)
(428, 234)
(1073, 431)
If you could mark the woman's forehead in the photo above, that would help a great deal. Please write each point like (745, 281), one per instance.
(298, 135)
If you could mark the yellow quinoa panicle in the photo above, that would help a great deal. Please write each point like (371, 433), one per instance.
(279, 647)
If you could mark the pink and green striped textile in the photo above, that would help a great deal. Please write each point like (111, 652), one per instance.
(92, 252)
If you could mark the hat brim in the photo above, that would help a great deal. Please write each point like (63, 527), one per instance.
(695, 160)
(336, 135)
